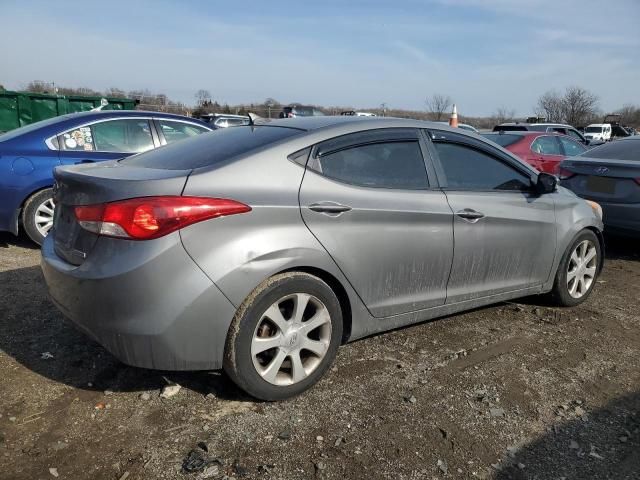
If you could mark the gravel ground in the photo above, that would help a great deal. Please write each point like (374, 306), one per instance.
(514, 391)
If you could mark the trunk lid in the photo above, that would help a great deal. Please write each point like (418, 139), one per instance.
(102, 182)
(603, 179)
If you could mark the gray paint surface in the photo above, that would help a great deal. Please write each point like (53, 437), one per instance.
(400, 256)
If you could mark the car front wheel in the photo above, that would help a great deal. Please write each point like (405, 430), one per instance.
(578, 270)
(284, 336)
(37, 215)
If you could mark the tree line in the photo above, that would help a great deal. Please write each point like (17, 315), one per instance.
(575, 106)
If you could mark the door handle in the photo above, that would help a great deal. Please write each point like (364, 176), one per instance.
(329, 207)
(84, 161)
(470, 215)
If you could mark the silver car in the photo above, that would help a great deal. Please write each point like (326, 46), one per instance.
(610, 175)
(261, 249)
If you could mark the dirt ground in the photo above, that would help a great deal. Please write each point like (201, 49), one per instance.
(513, 391)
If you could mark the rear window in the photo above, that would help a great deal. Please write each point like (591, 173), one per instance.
(210, 148)
(509, 128)
(503, 139)
(618, 150)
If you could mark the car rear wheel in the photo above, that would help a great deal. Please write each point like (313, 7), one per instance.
(578, 270)
(37, 215)
(284, 336)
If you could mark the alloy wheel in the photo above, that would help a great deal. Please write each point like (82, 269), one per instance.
(582, 267)
(44, 216)
(291, 339)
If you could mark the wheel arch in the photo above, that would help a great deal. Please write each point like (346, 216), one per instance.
(600, 237)
(17, 215)
(338, 289)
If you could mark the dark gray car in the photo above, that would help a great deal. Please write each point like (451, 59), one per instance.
(261, 249)
(610, 175)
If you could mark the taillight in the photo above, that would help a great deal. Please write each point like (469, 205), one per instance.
(145, 218)
(565, 174)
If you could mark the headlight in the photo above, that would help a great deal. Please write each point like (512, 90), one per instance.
(597, 209)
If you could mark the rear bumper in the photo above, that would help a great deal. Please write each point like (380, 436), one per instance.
(147, 303)
(623, 218)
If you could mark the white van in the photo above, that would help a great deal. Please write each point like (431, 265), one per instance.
(598, 132)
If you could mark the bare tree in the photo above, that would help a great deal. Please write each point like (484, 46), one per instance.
(550, 106)
(437, 105)
(115, 92)
(629, 115)
(575, 107)
(203, 97)
(503, 114)
(579, 105)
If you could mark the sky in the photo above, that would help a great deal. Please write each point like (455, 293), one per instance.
(484, 54)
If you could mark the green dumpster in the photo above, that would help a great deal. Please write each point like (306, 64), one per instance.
(22, 108)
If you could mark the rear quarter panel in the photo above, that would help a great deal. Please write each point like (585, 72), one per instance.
(25, 167)
(239, 252)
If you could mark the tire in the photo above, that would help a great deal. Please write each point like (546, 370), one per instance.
(564, 293)
(38, 207)
(261, 354)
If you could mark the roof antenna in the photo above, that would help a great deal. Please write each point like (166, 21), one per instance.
(252, 118)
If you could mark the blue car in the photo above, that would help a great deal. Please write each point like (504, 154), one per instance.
(29, 154)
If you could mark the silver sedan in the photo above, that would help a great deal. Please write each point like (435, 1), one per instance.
(260, 249)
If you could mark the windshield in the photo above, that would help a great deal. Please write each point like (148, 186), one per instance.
(32, 127)
(593, 130)
(618, 150)
(502, 139)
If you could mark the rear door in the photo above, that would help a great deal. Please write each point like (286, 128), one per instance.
(504, 233)
(546, 153)
(367, 197)
(106, 140)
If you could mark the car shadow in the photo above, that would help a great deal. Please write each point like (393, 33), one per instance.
(621, 248)
(604, 443)
(8, 239)
(34, 333)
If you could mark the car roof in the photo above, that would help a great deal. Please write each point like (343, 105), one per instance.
(90, 115)
(315, 123)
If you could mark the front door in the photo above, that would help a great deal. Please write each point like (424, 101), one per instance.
(368, 199)
(504, 232)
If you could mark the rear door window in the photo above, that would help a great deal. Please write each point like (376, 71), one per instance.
(570, 147)
(118, 136)
(547, 145)
(381, 165)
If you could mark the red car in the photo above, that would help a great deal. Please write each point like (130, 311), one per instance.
(542, 150)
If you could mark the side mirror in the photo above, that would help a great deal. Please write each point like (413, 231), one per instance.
(546, 183)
